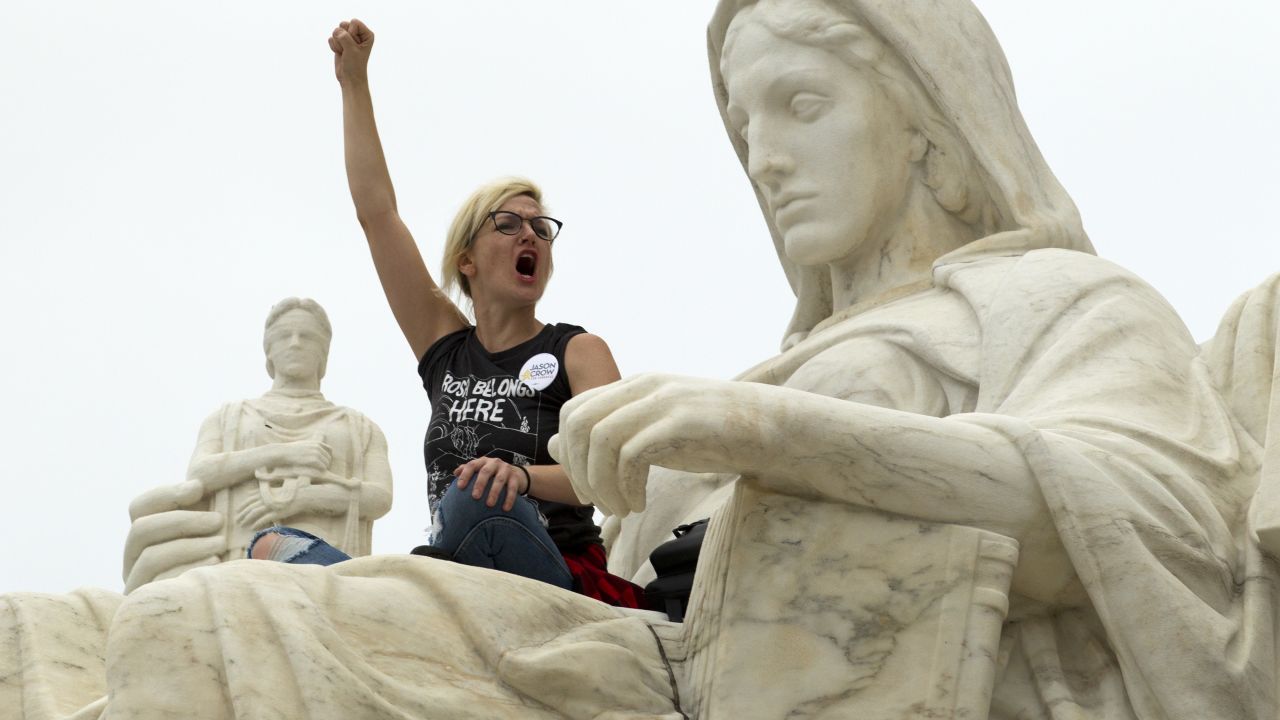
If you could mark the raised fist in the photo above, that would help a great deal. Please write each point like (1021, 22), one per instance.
(351, 43)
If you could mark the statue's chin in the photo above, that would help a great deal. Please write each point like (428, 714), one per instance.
(815, 244)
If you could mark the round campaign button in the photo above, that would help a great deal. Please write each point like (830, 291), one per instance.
(539, 371)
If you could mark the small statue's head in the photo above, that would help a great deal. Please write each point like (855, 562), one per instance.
(839, 132)
(296, 339)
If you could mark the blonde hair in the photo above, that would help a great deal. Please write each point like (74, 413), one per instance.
(469, 220)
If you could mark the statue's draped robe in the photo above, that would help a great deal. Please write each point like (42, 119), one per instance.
(1145, 595)
(51, 654)
(280, 418)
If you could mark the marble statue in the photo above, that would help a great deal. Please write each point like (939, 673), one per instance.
(287, 457)
(990, 475)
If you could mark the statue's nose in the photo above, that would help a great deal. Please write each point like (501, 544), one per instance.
(767, 166)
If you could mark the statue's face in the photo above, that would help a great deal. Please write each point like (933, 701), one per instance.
(829, 151)
(295, 346)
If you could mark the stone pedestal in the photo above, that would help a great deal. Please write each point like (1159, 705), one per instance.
(809, 609)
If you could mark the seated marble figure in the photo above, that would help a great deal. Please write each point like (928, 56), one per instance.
(287, 457)
(960, 366)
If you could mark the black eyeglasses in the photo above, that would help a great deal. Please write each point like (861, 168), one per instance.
(509, 223)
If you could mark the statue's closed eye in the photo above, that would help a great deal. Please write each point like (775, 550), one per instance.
(808, 106)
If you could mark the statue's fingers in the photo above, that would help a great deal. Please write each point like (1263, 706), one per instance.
(578, 423)
(161, 528)
(682, 439)
(249, 518)
(636, 460)
(252, 516)
(608, 438)
(166, 498)
(160, 559)
(578, 417)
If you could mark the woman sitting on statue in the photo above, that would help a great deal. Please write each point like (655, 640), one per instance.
(958, 356)
(496, 387)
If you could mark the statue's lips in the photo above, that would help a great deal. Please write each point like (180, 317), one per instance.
(295, 358)
(787, 206)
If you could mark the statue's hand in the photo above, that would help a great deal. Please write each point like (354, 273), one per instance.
(351, 42)
(308, 454)
(610, 436)
(253, 513)
(165, 540)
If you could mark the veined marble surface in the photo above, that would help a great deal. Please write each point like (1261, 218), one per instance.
(990, 475)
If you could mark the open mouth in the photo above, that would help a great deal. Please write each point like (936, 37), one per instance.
(527, 264)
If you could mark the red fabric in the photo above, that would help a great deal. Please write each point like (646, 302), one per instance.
(592, 579)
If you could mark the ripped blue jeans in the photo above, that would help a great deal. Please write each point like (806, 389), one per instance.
(471, 532)
(298, 547)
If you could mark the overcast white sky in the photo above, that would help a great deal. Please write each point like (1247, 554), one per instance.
(170, 170)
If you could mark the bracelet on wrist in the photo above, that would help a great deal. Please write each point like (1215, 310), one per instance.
(528, 479)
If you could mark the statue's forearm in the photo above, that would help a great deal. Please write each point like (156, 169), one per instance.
(335, 499)
(937, 469)
(324, 499)
(375, 500)
(958, 470)
(217, 471)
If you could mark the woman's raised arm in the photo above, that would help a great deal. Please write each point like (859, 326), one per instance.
(422, 310)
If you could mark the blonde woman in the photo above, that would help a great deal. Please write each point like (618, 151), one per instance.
(496, 386)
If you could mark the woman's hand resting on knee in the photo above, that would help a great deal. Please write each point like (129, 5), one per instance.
(491, 475)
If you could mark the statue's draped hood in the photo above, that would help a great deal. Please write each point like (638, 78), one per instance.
(954, 55)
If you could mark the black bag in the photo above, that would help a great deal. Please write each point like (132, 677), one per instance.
(431, 551)
(675, 561)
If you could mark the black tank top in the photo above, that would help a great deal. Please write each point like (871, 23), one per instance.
(504, 405)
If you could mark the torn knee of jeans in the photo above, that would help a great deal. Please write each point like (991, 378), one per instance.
(279, 547)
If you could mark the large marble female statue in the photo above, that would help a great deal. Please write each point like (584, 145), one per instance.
(962, 378)
(981, 368)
